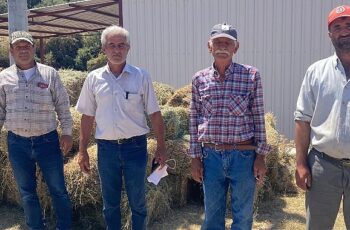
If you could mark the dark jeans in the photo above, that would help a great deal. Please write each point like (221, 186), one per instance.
(25, 153)
(118, 160)
(228, 169)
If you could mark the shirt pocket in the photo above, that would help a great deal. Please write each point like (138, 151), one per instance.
(208, 104)
(42, 99)
(238, 104)
(14, 97)
(133, 103)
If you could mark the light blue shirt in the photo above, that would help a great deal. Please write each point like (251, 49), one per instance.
(324, 101)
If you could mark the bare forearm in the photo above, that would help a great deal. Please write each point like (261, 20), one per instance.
(86, 126)
(158, 127)
(302, 141)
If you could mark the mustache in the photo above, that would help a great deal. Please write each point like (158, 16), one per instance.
(222, 52)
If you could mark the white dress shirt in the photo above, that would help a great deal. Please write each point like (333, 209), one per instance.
(118, 103)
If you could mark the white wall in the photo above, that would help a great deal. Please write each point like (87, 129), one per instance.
(279, 37)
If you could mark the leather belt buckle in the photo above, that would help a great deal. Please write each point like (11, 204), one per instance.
(216, 147)
(121, 141)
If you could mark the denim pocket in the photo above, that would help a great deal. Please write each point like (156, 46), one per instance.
(51, 137)
(247, 153)
(140, 142)
(205, 152)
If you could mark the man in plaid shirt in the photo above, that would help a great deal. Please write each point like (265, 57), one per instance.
(31, 97)
(227, 128)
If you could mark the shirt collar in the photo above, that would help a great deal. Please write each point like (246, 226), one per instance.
(213, 72)
(127, 69)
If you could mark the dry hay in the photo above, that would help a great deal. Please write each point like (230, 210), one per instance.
(178, 177)
(280, 174)
(83, 190)
(175, 122)
(158, 204)
(163, 92)
(73, 81)
(181, 97)
(76, 116)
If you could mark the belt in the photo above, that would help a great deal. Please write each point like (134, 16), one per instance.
(345, 162)
(245, 145)
(128, 140)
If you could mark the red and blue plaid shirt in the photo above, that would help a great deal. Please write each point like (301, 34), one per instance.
(227, 112)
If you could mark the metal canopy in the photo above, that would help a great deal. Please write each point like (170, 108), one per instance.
(70, 18)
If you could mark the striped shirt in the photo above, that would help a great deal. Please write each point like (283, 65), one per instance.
(29, 108)
(227, 112)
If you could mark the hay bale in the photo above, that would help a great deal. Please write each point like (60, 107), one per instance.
(181, 97)
(280, 175)
(163, 92)
(175, 122)
(178, 177)
(76, 116)
(73, 81)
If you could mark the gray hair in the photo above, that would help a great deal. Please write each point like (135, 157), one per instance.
(114, 30)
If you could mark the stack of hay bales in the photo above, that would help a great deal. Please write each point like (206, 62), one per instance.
(163, 92)
(280, 175)
(73, 81)
(172, 190)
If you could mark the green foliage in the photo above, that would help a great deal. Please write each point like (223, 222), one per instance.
(97, 62)
(63, 51)
(51, 2)
(3, 6)
(4, 54)
(90, 49)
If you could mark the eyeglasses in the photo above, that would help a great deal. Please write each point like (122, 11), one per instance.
(119, 46)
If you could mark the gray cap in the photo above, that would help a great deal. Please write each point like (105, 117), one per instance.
(21, 36)
(223, 30)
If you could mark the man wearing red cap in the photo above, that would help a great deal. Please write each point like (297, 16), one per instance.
(322, 119)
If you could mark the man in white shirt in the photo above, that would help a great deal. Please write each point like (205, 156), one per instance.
(117, 96)
(322, 119)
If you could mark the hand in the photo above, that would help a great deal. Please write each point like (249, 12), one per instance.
(84, 162)
(66, 143)
(259, 168)
(197, 169)
(303, 176)
(160, 155)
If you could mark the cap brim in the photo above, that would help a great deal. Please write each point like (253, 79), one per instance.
(224, 36)
(22, 39)
(342, 16)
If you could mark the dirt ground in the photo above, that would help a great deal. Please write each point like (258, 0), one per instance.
(286, 212)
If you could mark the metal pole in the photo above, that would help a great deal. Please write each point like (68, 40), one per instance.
(17, 17)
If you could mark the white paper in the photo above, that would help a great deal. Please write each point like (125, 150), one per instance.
(157, 174)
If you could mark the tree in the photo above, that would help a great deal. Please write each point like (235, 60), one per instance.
(63, 51)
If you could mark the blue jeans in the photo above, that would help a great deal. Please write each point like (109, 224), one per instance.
(115, 161)
(223, 170)
(25, 153)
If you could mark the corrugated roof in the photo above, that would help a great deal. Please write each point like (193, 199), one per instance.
(69, 18)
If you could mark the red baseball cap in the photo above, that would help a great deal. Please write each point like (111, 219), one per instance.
(338, 12)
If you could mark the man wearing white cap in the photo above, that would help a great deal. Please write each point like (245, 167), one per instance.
(31, 97)
(227, 129)
(322, 119)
